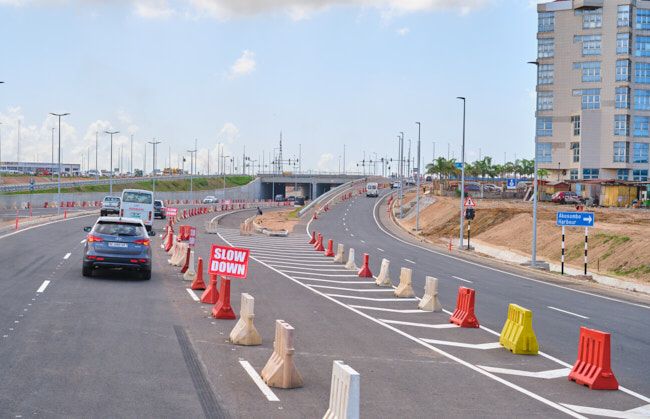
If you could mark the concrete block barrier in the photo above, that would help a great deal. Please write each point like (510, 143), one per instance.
(350, 263)
(280, 371)
(244, 333)
(340, 254)
(405, 287)
(181, 254)
(174, 253)
(345, 393)
(190, 273)
(430, 300)
(383, 279)
(517, 334)
(593, 366)
(211, 227)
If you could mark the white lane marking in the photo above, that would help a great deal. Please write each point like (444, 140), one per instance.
(353, 289)
(67, 255)
(568, 312)
(351, 235)
(482, 346)
(381, 250)
(548, 374)
(332, 268)
(22, 230)
(328, 275)
(362, 241)
(639, 412)
(427, 325)
(462, 279)
(390, 310)
(354, 297)
(192, 294)
(374, 214)
(300, 264)
(347, 229)
(266, 390)
(43, 286)
(331, 281)
(409, 261)
(83, 241)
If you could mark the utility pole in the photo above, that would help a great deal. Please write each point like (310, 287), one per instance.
(401, 174)
(533, 259)
(192, 160)
(110, 181)
(417, 184)
(344, 171)
(96, 147)
(462, 180)
(53, 154)
(154, 143)
(58, 115)
(131, 164)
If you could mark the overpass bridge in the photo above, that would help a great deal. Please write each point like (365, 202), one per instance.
(309, 185)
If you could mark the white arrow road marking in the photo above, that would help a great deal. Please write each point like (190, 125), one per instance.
(639, 412)
(427, 325)
(390, 310)
(482, 346)
(268, 393)
(192, 294)
(568, 312)
(549, 374)
(43, 286)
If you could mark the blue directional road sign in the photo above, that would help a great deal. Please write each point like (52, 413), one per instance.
(458, 165)
(575, 219)
(512, 184)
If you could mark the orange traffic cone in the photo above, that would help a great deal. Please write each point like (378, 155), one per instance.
(330, 248)
(313, 238)
(198, 283)
(364, 272)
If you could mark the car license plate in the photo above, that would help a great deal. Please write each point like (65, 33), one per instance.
(114, 244)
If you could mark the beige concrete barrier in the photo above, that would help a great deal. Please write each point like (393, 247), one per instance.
(405, 289)
(182, 254)
(430, 300)
(280, 370)
(211, 227)
(340, 254)
(174, 253)
(344, 393)
(350, 264)
(244, 333)
(190, 273)
(383, 279)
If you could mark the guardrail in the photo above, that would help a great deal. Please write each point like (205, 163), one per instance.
(327, 195)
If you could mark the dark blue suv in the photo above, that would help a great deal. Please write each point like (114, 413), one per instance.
(117, 243)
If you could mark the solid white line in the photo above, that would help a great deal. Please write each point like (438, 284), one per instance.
(548, 375)
(67, 255)
(83, 241)
(192, 294)
(268, 393)
(409, 261)
(43, 286)
(482, 346)
(390, 310)
(381, 250)
(323, 265)
(328, 275)
(354, 297)
(639, 412)
(461, 279)
(352, 289)
(333, 268)
(331, 281)
(567, 312)
(427, 325)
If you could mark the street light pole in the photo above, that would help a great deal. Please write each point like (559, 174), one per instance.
(401, 174)
(52, 177)
(110, 181)
(192, 168)
(58, 207)
(96, 147)
(417, 184)
(462, 179)
(533, 258)
(154, 143)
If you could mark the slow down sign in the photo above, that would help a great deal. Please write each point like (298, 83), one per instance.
(228, 261)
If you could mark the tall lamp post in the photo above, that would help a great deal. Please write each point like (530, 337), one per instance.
(192, 168)
(58, 207)
(154, 143)
(533, 256)
(417, 184)
(462, 178)
(110, 181)
(401, 174)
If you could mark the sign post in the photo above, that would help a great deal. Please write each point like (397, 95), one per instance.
(192, 237)
(575, 219)
(469, 216)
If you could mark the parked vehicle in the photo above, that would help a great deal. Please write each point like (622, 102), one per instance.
(472, 187)
(291, 198)
(566, 197)
(159, 209)
(209, 199)
(299, 202)
(110, 205)
(279, 198)
(138, 203)
(396, 185)
(117, 243)
(372, 189)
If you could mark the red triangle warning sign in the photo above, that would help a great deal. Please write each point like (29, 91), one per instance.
(469, 202)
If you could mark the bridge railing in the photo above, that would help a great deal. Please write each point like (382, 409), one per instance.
(327, 195)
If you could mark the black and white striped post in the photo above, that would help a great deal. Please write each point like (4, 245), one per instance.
(563, 247)
(586, 246)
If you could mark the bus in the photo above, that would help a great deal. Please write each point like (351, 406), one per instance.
(138, 203)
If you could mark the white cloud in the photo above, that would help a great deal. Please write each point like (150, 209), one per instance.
(403, 31)
(325, 161)
(153, 9)
(244, 65)
(228, 133)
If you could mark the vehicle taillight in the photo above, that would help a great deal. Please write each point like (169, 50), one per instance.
(149, 215)
(94, 239)
(121, 213)
(144, 242)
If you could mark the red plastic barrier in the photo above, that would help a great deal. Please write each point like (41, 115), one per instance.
(593, 366)
(198, 283)
(223, 310)
(45, 204)
(211, 294)
(464, 315)
(186, 265)
(313, 238)
(330, 248)
(319, 244)
(315, 216)
(364, 272)
(170, 241)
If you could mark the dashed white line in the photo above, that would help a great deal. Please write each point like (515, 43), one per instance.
(192, 294)
(363, 241)
(381, 250)
(568, 312)
(268, 393)
(409, 261)
(67, 255)
(43, 286)
(462, 279)
(351, 235)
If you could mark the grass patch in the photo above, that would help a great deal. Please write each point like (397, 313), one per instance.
(293, 215)
(613, 238)
(632, 270)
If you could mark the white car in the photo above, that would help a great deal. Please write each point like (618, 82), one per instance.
(209, 199)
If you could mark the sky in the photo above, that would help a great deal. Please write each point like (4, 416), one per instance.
(328, 74)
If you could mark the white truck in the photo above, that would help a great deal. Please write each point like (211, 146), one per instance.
(138, 203)
(372, 189)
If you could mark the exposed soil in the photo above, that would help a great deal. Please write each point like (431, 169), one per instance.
(278, 220)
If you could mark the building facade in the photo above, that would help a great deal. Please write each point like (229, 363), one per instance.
(34, 167)
(593, 89)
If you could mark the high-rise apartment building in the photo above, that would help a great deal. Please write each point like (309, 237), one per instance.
(593, 89)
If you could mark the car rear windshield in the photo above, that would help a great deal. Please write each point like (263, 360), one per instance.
(113, 228)
(137, 197)
(157, 203)
(112, 199)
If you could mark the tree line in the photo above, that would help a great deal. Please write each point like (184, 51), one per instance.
(484, 168)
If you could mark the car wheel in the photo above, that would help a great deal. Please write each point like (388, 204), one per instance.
(87, 271)
(102, 213)
(146, 275)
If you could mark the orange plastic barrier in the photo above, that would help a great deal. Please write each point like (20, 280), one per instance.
(593, 366)
(464, 315)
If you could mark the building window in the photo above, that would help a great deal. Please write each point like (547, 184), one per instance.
(544, 152)
(622, 174)
(642, 46)
(573, 174)
(590, 174)
(622, 70)
(590, 70)
(641, 72)
(622, 98)
(545, 73)
(621, 151)
(544, 126)
(590, 44)
(546, 48)
(623, 43)
(546, 22)
(640, 154)
(643, 19)
(575, 124)
(622, 125)
(545, 101)
(575, 152)
(641, 126)
(640, 175)
(591, 99)
(623, 16)
(592, 18)
(642, 100)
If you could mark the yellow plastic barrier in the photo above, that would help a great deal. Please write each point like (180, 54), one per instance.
(517, 334)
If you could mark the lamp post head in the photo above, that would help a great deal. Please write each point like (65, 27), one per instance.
(533, 62)
(461, 98)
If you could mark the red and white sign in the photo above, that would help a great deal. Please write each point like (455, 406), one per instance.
(228, 261)
(227, 202)
(469, 202)
(192, 236)
(171, 212)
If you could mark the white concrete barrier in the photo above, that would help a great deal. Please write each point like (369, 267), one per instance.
(350, 264)
(383, 279)
(405, 287)
(340, 254)
(344, 393)
(244, 333)
(430, 300)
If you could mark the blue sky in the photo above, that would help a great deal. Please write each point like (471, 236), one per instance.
(236, 72)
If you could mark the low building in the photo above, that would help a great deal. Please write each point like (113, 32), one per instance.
(37, 167)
